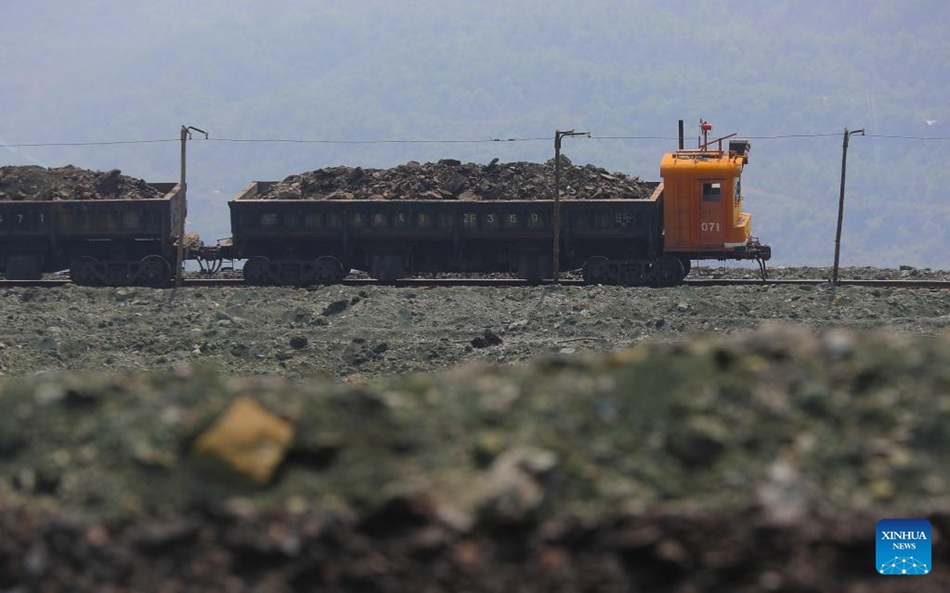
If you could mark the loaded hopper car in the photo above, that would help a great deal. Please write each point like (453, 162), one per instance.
(101, 242)
(317, 241)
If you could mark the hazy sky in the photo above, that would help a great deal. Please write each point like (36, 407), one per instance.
(110, 70)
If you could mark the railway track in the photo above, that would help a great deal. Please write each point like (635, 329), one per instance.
(513, 282)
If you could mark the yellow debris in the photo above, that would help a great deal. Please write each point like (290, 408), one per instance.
(249, 439)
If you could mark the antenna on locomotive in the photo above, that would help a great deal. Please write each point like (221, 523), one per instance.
(182, 205)
(705, 127)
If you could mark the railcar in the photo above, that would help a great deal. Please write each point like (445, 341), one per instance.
(308, 241)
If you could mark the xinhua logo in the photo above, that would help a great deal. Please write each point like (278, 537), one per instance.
(903, 547)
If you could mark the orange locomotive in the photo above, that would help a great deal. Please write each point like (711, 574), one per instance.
(702, 210)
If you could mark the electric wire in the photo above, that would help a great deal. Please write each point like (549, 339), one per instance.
(99, 143)
(395, 141)
(897, 137)
(444, 140)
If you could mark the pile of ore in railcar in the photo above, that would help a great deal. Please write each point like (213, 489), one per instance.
(28, 183)
(449, 179)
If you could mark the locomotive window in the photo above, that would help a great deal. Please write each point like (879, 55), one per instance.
(712, 191)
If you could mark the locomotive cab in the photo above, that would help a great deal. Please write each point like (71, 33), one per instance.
(702, 211)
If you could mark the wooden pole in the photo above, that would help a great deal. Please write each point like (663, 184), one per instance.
(844, 164)
(183, 204)
(558, 134)
(557, 205)
(182, 189)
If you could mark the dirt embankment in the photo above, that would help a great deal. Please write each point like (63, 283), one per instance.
(557, 439)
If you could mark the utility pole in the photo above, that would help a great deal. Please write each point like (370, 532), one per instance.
(182, 206)
(844, 163)
(558, 134)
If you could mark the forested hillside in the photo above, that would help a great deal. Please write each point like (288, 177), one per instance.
(790, 75)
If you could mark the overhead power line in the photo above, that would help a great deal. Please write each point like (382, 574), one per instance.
(440, 140)
(281, 140)
(397, 141)
(743, 136)
(894, 137)
(598, 137)
(101, 143)
(785, 136)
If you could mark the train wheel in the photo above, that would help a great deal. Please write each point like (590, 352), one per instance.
(597, 270)
(155, 271)
(83, 271)
(328, 270)
(667, 271)
(255, 271)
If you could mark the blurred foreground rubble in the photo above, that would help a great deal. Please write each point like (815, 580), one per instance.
(760, 462)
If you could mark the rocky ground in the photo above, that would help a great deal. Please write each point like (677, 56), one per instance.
(471, 439)
(446, 179)
(355, 333)
(71, 183)
(450, 179)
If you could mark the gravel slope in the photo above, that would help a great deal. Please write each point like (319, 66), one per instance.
(352, 332)
(558, 439)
